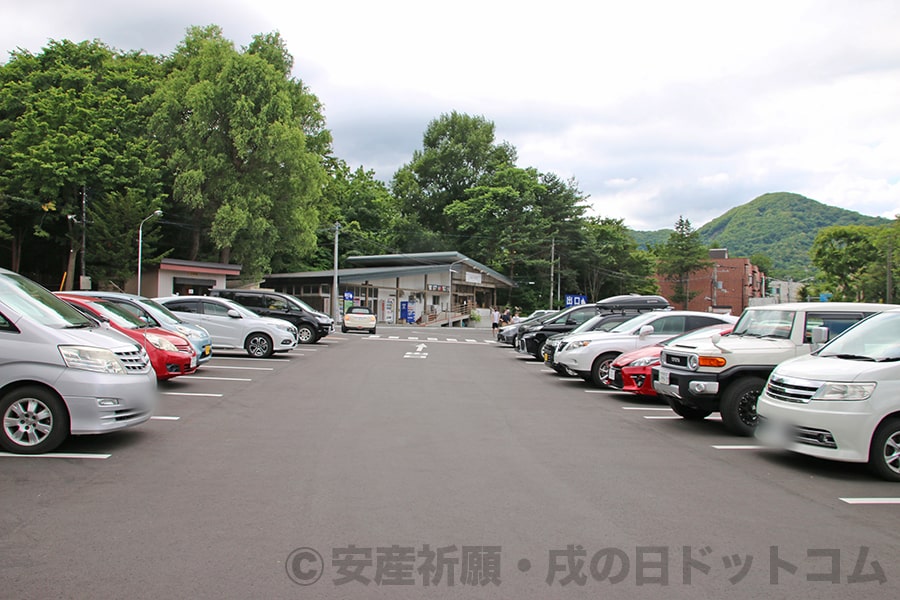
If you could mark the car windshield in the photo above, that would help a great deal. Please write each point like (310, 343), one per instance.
(359, 310)
(765, 323)
(589, 324)
(301, 304)
(876, 338)
(244, 312)
(119, 315)
(161, 313)
(633, 323)
(29, 298)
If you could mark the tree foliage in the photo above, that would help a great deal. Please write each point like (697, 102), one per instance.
(244, 146)
(684, 253)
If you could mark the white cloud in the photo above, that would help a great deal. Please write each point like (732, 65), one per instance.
(658, 109)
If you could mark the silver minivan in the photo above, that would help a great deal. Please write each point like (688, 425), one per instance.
(62, 373)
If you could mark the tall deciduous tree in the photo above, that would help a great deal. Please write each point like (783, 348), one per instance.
(683, 254)
(73, 121)
(844, 253)
(245, 145)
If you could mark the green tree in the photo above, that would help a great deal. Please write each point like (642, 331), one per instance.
(844, 254)
(683, 254)
(610, 262)
(459, 151)
(73, 123)
(245, 145)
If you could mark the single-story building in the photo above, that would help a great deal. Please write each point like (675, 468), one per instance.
(431, 288)
(182, 277)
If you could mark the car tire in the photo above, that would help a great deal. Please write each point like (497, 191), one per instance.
(372, 331)
(35, 420)
(884, 452)
(738, 405)
(259, 345)
(306, 335)
(343, 329)
(688, 413)
(600, 368)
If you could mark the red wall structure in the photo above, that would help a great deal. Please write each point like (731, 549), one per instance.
(725, 287)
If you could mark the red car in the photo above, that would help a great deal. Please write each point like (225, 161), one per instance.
(631, 371)
(171, 354)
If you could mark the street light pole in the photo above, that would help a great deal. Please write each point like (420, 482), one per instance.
(156, 213)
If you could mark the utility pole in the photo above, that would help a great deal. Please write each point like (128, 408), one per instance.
(83, 279)
(334, 284)
(552, 262)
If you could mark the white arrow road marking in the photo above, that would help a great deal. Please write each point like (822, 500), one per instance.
(420, 347)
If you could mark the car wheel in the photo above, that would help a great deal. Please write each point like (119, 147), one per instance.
(34, 420)
(306, 335)
(686, 412)
(259, 345)
(738, 405)
(343, 329)
(372, 331)
(884, 453)
(600, 368)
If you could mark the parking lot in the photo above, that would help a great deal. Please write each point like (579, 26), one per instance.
(365, 466)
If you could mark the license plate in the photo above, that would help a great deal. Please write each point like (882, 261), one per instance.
(546, 357)
(193, 361)
(612, 374)
(664, 377)
(206, 350)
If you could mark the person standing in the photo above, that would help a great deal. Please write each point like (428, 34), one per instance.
(495, 319)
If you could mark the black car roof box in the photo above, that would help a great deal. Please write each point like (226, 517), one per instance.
(633, 302)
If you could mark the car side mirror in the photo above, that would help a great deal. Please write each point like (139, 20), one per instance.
(820, 335)
(645, 331)
(234, 314)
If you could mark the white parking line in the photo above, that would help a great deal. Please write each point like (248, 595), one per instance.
(242, 368)
(666, 408)
(219, 378)
(57, 455)
(870, 500)
(738, 447)
(164, 418)
(192, 394)
(217, 357)
(673, 417)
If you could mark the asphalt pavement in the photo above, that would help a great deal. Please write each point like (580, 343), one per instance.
(433, 463)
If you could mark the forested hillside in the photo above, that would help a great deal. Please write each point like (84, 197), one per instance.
(780, 225)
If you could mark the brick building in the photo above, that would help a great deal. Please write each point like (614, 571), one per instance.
(725, 287)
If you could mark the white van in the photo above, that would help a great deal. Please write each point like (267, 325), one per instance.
(841, 402)
(62, 373)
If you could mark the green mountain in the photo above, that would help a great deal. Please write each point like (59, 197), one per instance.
(779, 225)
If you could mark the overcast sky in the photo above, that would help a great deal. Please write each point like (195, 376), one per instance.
(656, 108)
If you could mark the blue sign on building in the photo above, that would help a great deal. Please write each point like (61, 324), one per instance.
(575, 299)
(348, 296)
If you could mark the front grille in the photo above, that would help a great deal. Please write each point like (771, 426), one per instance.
(674, 360)
(791, 390)
(135, 361)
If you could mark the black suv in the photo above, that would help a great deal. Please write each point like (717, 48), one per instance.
(530, 339)
(311, 324)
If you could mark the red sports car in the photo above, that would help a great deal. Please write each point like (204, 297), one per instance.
(631, 371)
(171, 354)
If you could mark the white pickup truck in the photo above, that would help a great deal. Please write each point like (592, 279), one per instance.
(728, 373)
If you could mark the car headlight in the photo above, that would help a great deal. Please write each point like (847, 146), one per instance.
(323, 320)
(578, 344)
(160, 342)
(844, 391)
(645, 361)
(87, 358)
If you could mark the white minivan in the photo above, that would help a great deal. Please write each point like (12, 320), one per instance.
(62, 373)
(841, 402)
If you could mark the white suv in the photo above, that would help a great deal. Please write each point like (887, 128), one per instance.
(232, 326)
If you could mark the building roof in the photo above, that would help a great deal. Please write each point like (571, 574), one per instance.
(396, 265)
